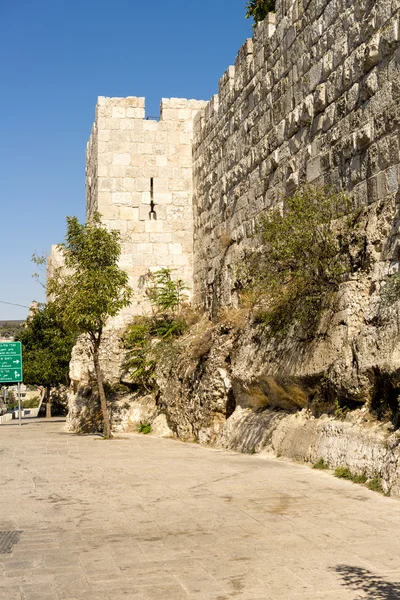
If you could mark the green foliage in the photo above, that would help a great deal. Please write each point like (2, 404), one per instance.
(144, 428)
(138, 362)
(258, 9)
(9, 329)
(391, 292)
(46, 346)
(375, 484)
(343, 473)
(91, 287)
(341, 411)
(321, 464)
(149, 338)
(359, 478)
(304, 258)
(32, 403)
(166, 294)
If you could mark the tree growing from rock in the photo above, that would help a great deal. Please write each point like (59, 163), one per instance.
(46, 346)
(90, 288)
(258, 9)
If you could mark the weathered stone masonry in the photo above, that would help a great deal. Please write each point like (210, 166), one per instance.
(314, 96)
(315, 99)
(139, 178)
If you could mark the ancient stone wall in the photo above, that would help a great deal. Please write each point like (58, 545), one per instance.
(313, 97)
(139, 178)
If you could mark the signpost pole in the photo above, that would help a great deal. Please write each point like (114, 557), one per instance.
(19, 404)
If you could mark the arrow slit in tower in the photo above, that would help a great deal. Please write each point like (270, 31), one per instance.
(152, 213)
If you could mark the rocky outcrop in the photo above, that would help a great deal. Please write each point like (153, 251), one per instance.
(358, 442)
(230, 384)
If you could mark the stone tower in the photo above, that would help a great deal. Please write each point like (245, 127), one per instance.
(139, 178)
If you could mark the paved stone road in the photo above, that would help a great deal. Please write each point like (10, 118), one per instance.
(152, 519)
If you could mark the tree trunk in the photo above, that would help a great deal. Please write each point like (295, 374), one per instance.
(103, 401)
(48, 403)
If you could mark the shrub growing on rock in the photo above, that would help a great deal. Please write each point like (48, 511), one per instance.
(303, 259)
(258, 9)
(148, 338)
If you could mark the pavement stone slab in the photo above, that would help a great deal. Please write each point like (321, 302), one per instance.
(141, 518)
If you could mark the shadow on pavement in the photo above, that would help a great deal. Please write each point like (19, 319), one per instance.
(33, 421)
(376, 588)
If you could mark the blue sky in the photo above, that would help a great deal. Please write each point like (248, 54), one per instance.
(57, 56)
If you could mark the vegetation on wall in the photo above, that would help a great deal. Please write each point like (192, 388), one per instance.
(258, 9)
(149, 337)
(303, 259)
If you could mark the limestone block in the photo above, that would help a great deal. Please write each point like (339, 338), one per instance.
(142, 184)
(160, 185)
(161, 161)
(123, 159)
(352, 96)
(122, 198)
(128, 125)
(159, 427)
(320, 98)
(145, 248)
(135, 113)
(128, 213)
(102, 170)
(168, 114)
(128, 184)
(150, 125)
(180, 260)
(145, 198)
(175, 248)
(292, 183)
(181, 199)
(371, 55)
(159, 238)
(125, 261)
(392, 175)
(184, 138)
(315, 75)
(370, 86)
(135, 226)
(136, 198)
(184, 113)
(154, 226)
(364, 136)
(144, 211)
(104, 135)
(118, 112)
(161, 249)
(116, 225)
(140, 238)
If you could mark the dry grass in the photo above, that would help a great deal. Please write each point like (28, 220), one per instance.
(233, 317)
(225, 240)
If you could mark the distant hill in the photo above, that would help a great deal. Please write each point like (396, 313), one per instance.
(8, 329)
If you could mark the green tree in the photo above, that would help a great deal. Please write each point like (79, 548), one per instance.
(258, 9)
(46, 349)
(90, 288)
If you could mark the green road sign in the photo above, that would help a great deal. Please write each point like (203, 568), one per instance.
(10, 362)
